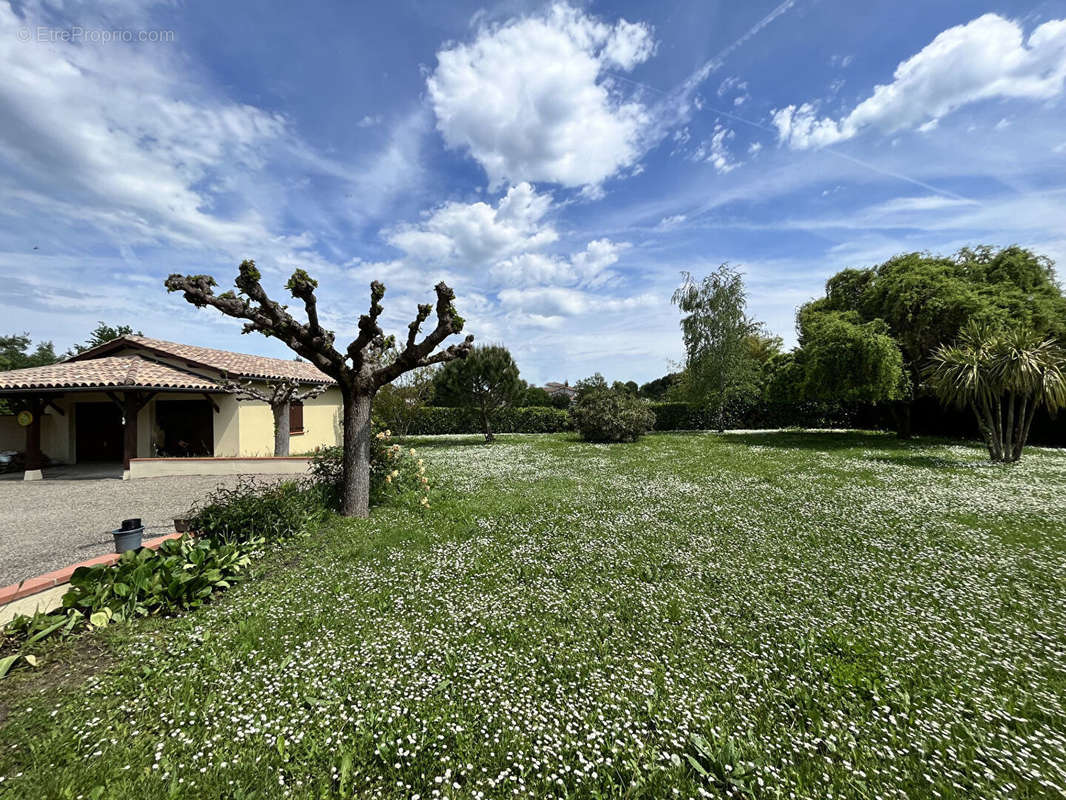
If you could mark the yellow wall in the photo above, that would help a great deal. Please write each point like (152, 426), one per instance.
(227, 441)
(242, 428)
(322, 426)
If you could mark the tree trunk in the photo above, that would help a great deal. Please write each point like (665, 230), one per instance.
(281, 428)
(355, 493)
(485, 426)
(901, 414)
(1025, 421)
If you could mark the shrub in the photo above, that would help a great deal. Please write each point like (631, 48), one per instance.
(255, 509)
(394, 470)
(433, 421)
(603, 415)
(178, 576)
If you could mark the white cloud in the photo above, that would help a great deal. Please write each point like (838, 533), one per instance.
(671, 222)
(987, 58)
(933, 202)
(715, 151)
(563, 302)
(472, 235)
(530, 99)
(506, 241)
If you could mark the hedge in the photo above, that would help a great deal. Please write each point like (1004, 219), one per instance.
(436, 420)
(433, 420)
(686, 417)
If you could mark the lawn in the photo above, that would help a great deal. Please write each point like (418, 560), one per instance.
(806, 615)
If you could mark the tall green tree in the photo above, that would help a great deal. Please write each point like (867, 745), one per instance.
(18, 352)
(1003, 376)
(842, 358)
(716, 329)
(486, 381)
(103, 333)
(926, 300)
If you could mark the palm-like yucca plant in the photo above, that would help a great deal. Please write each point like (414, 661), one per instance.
(1004, 376)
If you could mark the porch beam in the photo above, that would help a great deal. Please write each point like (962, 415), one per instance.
(211, 400)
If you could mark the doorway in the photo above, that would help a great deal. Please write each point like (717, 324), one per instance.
(185, 427)
(98, 432)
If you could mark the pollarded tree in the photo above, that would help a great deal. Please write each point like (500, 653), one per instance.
(487, 381)
(279, 395)
(1004, 377)
(360, 370)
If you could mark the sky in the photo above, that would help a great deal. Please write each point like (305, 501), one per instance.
(559, 165)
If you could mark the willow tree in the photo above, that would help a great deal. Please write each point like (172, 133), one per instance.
(360, 369)
(1003, 376)
(279, 395)
(716, 330)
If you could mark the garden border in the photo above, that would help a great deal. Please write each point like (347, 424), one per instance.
(59, 578)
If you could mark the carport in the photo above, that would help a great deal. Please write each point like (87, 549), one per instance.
(99, 403)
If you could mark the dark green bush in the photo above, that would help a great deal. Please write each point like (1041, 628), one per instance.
(605, 415)
(181, 574)
(434, 420)
(255, 509)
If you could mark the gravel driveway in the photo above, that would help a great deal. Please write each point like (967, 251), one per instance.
(50, 524)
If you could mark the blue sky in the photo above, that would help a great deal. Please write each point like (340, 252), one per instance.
(558, 164)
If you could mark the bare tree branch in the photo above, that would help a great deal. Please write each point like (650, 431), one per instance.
(416, 355)
(267, 316)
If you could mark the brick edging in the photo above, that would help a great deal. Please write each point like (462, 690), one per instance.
(32, 586)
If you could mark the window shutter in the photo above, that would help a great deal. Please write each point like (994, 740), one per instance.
(296, 417)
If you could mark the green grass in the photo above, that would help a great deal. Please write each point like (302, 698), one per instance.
(769, 615)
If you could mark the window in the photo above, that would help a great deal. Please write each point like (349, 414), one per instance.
(296, 418)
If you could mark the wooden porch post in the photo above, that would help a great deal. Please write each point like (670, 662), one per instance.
(34, 460)
(132, 403)
(131, 407)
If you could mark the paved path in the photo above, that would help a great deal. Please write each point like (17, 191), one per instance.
(69, 516)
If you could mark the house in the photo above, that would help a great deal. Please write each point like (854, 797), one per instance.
(554, 388)
(136, 397)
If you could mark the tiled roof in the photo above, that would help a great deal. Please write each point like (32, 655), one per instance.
(236, 365)
(115, 372)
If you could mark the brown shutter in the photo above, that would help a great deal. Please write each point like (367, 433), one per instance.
(296, 417)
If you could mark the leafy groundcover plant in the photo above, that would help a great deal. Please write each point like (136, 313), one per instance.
(608, 416)
(181, 575)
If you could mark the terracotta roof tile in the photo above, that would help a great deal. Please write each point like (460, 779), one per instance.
(105, 373)
(236, 365)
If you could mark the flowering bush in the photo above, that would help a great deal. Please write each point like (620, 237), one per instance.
(604, 415)
(394, 470)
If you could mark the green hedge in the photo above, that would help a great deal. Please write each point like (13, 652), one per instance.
(685, 417)
(433, 420)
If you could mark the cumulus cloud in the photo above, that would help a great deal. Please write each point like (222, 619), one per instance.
(531, 100)
(987, 58)
(476, 234)
(506, 241)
